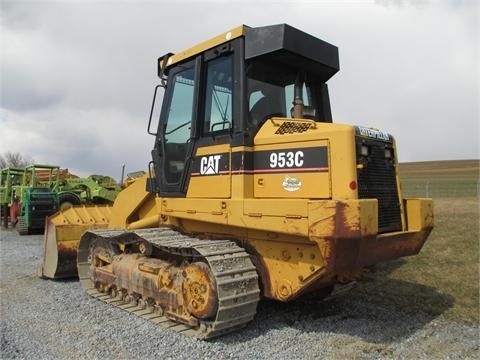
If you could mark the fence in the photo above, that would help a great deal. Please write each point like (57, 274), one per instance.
(440, 188)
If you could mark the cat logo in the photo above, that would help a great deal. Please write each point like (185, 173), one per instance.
(209, 165)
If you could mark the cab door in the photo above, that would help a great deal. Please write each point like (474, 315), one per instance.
(174, 146)
(192, 150)
(211, 174)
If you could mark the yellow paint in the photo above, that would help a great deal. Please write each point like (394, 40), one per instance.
(62, 233)
(207, 210)
(242, 184)
(132, 204)
(208, 44)
(211, 186)
(399, 189)
(291, 266)
(419, 214)
(340, 139)
(310, 185)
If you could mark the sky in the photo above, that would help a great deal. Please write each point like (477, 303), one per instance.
(77, 77)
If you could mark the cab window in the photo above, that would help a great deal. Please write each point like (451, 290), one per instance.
(177, 132)
(218, 96)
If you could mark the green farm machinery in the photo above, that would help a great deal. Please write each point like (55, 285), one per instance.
(94, 189)
(37, 197)
(9, 178)
(30, 195)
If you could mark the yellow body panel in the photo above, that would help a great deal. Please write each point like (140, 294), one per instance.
(137, 208)
(419, 213)
(288, 267)
(242, 183)
(204, 210)
(211, 186)
(341, 151)
(298, 244)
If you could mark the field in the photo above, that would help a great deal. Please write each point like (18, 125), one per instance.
(446, 272)
(441, 179)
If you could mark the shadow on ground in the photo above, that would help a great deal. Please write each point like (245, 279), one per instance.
(378, 311)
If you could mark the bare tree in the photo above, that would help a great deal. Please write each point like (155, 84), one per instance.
(14, 159)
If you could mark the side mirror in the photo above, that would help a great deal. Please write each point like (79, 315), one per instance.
(155, 110)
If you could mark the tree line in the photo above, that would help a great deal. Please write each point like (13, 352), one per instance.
(14, 160)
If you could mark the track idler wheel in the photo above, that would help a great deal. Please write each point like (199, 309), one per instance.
(145, 248)
(102, 253)
(199, 291)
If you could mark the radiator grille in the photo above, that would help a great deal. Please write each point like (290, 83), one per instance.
(376, 179)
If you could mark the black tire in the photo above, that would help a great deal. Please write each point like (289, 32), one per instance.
(21, 226)
(67, 200)
(5, 214)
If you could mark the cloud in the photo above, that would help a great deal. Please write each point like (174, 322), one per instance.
(409, 73)
(85, 141)
(29, 80)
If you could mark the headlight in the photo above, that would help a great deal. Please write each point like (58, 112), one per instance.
(388, 153)
(364, 151)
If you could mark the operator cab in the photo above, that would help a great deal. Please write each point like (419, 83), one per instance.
(223, 90)
(271, 96)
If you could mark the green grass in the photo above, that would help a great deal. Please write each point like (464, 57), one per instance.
(441, 179)
(449, 261)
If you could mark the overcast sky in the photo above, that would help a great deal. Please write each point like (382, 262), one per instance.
(77, 77)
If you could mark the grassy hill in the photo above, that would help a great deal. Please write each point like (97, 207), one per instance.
(441, 179)
(448, 263)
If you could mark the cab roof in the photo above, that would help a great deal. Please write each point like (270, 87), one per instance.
(280, 44)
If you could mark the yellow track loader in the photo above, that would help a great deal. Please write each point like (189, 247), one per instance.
(252, 191)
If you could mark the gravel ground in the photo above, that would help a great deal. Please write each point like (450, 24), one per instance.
(44, 319)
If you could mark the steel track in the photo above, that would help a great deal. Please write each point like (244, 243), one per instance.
(235, 276)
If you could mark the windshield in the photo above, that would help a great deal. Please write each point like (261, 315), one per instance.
(271, 93)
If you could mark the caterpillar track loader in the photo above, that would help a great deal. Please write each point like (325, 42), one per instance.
(252, 191)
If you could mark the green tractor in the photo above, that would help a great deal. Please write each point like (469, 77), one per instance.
(30, 195)
(37, 197)
(95, 189)
(9, 178)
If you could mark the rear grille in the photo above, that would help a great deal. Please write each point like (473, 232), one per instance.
(292, 127)
(377, 180)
